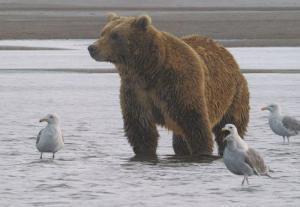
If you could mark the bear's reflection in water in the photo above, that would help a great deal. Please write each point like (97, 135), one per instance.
(175, 159)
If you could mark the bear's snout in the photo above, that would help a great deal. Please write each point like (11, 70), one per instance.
(92, 49)
(94, 53)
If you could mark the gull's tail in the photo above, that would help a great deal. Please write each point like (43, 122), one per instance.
(267, 172)
(270, 170)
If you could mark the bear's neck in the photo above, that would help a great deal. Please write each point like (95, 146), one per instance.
(164, 54)
(147, 66)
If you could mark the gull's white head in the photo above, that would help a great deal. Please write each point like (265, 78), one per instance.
(233, 139)
(51, 119)
(272, 108)
(232, 131)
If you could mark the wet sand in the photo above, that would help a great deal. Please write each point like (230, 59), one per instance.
(234, 23)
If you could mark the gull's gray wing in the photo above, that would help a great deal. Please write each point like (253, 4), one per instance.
(39, 136)
(256, 162)
(291, 123)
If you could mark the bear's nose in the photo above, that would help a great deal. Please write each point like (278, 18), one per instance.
(92, 49)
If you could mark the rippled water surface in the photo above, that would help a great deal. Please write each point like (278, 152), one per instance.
(95, 167)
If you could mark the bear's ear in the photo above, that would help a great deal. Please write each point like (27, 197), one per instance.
(143, 22)
(112, 16)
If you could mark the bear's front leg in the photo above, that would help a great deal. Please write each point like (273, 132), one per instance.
(186, 107)
(197, 132)
(191, 116)
(180, 145)
(140, 130)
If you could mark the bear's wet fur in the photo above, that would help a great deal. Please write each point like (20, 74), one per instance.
(190, 85)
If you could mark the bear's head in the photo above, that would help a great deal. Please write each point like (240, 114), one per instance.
(125, 40)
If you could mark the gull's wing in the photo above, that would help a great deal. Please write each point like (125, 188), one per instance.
(291, 123)
(256, 162)
(39, 136)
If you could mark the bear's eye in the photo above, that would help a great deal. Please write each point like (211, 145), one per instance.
(115, 36)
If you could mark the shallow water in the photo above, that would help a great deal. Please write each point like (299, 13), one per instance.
(95, 167)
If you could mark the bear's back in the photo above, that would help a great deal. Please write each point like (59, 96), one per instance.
(212, 53)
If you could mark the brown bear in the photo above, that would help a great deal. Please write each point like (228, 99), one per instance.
(192, 86)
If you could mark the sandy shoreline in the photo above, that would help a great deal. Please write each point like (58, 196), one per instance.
(59, 55)
(112, 70)
(234, 23)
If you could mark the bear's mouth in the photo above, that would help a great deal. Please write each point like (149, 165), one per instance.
(98, 58)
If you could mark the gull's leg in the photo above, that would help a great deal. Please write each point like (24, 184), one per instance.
(283, 139)
(288, 139)
(247, 180)
(53, 155)
(244, 180)
(41, 157)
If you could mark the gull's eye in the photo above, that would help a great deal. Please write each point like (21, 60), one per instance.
(51, 117)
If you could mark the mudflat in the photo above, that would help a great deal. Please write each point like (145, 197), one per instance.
(234, 23)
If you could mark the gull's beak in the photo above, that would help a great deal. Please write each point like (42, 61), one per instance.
(43, 119)
(224, 129)
(264, 108)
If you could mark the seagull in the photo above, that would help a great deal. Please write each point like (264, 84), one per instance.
(284, 126)
(239, 158)
(50, 139)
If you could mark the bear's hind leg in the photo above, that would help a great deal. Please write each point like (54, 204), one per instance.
(220, 135)
(237, 114)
